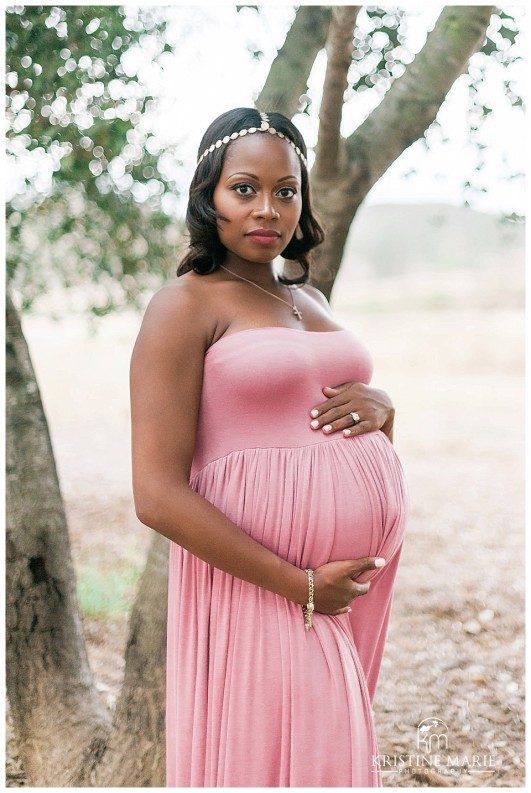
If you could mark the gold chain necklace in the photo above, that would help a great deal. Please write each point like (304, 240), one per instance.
(294, 310)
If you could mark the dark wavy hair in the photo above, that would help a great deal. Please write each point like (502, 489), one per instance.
(206, 252)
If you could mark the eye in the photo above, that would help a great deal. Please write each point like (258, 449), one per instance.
(287, 192)
(243, 189)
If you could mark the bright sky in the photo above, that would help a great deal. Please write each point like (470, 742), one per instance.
(212, 71)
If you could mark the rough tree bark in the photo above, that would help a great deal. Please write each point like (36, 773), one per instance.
(55, 706)
(135, 748)
(64, 732)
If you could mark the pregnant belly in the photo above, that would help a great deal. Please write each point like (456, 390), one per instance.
(369, 500)
(342, 499)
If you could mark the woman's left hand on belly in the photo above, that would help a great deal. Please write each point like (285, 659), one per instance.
(372, 408)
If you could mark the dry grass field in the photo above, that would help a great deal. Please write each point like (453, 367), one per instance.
(449, 349)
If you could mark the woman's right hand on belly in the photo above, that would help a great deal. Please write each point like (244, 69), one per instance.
(334, 588)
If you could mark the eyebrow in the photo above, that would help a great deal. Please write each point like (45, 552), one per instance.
(254, 176)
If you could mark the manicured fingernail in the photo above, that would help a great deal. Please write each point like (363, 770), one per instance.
(314, 412)
(346, 433)
(379, 562)
(327, 428)
(314, 424)
(349, 610)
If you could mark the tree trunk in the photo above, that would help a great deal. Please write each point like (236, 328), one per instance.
(57, 713)
(406, 111)
(135, 753)
(63, 730)
(336, 204)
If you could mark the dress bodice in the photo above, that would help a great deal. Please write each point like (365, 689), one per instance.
(260, 384)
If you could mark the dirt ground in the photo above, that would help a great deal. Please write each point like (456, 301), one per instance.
(455, 649)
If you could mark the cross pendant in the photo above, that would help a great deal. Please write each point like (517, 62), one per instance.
(296, 312)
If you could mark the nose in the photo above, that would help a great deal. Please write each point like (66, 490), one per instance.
(267, 209)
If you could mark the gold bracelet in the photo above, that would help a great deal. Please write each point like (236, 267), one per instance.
(308, 609)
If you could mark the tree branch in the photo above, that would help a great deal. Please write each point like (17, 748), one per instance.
(413, 101)
(288, 77)
(330, 146)
(407, 110)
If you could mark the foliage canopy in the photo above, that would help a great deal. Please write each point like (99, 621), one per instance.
(89, 180)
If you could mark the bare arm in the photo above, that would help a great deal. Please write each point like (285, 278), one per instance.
(166, 380)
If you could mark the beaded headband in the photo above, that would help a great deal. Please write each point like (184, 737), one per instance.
(265, 127)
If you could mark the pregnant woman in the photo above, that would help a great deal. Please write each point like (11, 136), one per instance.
(261, 452)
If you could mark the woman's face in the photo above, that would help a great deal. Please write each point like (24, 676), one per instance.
(259, 192)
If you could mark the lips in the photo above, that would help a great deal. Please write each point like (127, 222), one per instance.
(264, 236)
(263, 233)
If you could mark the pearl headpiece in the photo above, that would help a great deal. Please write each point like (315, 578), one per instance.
(265, 127)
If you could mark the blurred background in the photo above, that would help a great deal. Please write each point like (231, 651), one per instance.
(106, 107)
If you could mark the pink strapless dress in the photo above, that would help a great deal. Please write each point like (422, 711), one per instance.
(253, 699)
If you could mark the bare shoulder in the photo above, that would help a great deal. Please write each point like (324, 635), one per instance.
(317, 296)
(180, 310)
(177, 297)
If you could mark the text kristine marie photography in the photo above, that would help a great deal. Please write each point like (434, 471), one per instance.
(434, 755)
